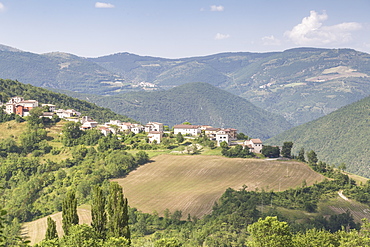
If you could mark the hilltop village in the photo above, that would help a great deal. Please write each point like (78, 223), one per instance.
(154, 130)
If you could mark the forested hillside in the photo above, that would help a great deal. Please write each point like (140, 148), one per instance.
(9, 88)
(198, 103)
(340, 137)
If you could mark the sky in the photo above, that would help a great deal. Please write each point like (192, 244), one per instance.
(182, 28)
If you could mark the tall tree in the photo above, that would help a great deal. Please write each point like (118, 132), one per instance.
(69, 211)
(98, 214)
(301, 155)
(312, 157)
(287, 149)
(51, 230)
(179, 137)
(117, 213)
(71, 133)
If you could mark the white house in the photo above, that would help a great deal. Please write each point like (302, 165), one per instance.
(113, 122)
(153, 126)
(29, 104)
(254, 145)
(232, 133)
(89, 124)
(211, 132)
(222, 136)
(137, 128)
(67, 113)
(105, 130)
(47, 115)
(124, 126)
(50, 106)
(15, 100)
(10, 108)
(185, 129)
(155, 136)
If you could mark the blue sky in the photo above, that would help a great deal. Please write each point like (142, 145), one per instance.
(182, 28)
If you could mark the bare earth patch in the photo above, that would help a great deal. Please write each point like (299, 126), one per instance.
(192, 184)
(35, 230)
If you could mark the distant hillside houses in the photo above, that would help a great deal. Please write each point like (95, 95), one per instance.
(228, 135)
(17, 105)
(217, 134)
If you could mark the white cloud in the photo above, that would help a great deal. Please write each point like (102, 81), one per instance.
(270, 40)
(103, 5)
(217, 8)
(2, 7)
(311, 31)
(220, 36)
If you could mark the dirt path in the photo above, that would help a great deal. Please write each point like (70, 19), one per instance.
(340, 193)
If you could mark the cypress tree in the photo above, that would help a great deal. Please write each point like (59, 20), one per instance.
(301, 155)
(117, 213)
(98, 214)
(51, 231)
(69, 211)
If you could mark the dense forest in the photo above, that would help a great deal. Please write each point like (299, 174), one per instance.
(339, 137)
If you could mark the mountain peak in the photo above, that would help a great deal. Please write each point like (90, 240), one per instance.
(8, 48)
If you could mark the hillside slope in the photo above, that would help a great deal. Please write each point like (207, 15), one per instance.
(193, 183)
(9, 88)
(343, 136)
(198, 103)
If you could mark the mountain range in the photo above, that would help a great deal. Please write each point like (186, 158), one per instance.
(300, 84)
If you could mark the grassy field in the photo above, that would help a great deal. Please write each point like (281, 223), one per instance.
(35, 230)
(11, 128)
(193, 183)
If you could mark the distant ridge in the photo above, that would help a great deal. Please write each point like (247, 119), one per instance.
(8, 48)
